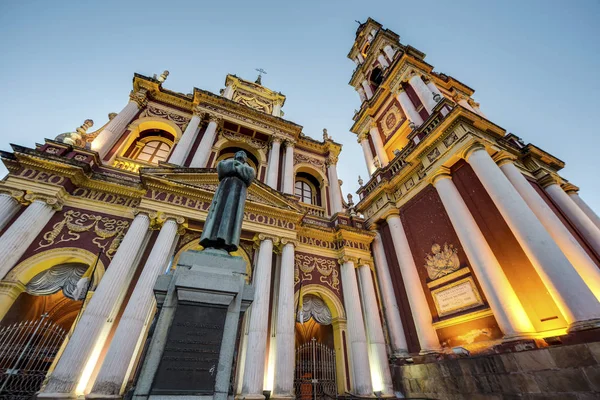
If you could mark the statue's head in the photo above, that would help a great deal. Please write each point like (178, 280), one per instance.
(241, 156)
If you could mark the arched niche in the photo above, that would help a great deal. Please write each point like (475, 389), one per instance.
(259, 154)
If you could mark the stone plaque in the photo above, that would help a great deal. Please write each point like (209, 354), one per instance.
(457, 296)
(191, 354)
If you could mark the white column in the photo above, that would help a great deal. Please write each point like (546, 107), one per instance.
(285, 329)
(419, 308)
(335, 192)
(585, 208)
(508, 311)
(187, 139)
(277, 109)
(384, 63)
(115, 128)
(361, 94)
(390, 305)
(409, 109)
(17, 238)
(228, 92)
(254, 369)
(378, 144)
(200, 159)
(367, 88)
(288, 178)
(361, 59)
(573, 298)
(389, 52)
(434, 89)
(9, 206)
(357, 338)
(364, 142)
(273, 163)
(423, 92)
(581, 261)
(380, 369)
(582, 222)
(71, 375)
(131, 326)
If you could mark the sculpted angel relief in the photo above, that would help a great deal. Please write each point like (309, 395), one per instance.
(327, 270)
(442, 261)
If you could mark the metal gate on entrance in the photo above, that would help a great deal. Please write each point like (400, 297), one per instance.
(315, 376)
(27, 350)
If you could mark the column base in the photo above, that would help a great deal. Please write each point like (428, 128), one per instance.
(425, 352)
(57, 396)
(250, 397)
(401, 354)
(584, 325)
(519, 336)
(103, 396)
(282, 396)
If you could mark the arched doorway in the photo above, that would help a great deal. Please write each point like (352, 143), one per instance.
(315, 374)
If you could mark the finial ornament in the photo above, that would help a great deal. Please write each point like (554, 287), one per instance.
(376, 163)
(163, 76)
(326, 135)
(260, 72)
(360, 181)
(350, 200)
(77, 138)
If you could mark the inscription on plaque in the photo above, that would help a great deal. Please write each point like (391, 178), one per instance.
(191, 355)
(455, 297)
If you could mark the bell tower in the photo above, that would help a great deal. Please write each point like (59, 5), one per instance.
(399, 92)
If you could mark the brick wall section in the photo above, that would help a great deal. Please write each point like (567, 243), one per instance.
(568, 372)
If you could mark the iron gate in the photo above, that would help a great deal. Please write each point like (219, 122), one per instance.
(314, 377)
(27, 350)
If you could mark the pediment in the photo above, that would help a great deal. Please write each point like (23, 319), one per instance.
(206, 180)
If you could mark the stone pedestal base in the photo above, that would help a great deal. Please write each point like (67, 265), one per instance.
(191, 352)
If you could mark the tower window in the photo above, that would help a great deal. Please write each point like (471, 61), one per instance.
(305, 191)
(376, 77)
(154, 151)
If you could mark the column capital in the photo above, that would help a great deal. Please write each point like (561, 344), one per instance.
(549, 180)
(570, 188)
(140, 97)
(439, 174)
(275, 139)
(55, 202)
(504, 157)
(348, 259)
(212, 117)
(362, 136)
(285, 241)
(331, 160)
(373, 124)
(260, 237)
(471, 149)
(198, 111)
(18, 195)
(366, 262)
(288, 143)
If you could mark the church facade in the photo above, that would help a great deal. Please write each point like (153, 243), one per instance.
(463, 240)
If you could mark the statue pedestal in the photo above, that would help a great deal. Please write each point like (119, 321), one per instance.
(192, 349)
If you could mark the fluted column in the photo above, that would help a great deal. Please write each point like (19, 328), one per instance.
(368, 90)
(273, 166)
(131, 325)
(187, 139)
(419, 308)
(254, 369)
(380, 368)
(423, 93)
(581, 261)
(288, 169)
(409, 109)
(17, 238)
(582, 222)
(585, 207)
(378, 144)
(357, 338)
(202, 154)
(9, 206)
(508, 311)
(115, 128)
(390, 305)
(335, 192)
(573, 298)
(285, 327)
(76, 364)
(364, 142)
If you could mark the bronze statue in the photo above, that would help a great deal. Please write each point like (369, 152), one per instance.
(223, 225)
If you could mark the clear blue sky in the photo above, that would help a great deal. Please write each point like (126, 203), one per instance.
(535, 65)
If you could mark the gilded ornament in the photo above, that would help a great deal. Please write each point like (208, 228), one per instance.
(442, 261)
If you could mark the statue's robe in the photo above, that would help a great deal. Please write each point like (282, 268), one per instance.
(223, 226)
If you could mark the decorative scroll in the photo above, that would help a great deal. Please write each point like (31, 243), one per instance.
(314, 307)
(442, 262)
(326, 268)
(252, 101)
(238, 137)
(108, 231)
(65, 277)
(301, 158)
(152, 111)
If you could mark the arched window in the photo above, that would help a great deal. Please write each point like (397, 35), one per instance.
(376, 77)
(228, 152)
(305, 191)
(154, 151)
